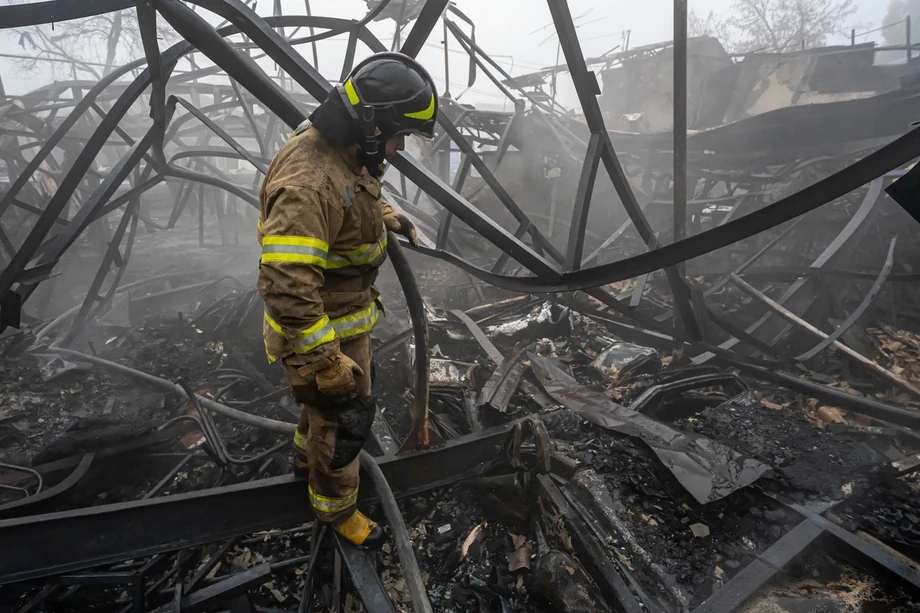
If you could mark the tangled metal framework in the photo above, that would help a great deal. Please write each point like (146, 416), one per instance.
(63, 173)
(81, 158)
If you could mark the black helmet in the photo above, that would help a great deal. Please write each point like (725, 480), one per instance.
(393, 93)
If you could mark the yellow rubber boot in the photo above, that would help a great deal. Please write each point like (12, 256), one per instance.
(361, 531)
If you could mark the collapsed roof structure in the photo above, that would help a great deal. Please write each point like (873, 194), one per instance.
(686, 228)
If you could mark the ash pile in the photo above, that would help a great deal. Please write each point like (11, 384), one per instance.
(575, 463)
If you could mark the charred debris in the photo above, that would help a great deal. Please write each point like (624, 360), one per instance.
(597, 390)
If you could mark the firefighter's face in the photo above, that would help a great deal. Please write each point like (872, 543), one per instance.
(395, 144)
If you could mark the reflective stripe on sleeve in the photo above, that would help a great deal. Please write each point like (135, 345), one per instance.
(306, 340)
(357, 323)
(332, 505)
(299, 249)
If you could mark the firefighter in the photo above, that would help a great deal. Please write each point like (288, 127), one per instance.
(323, 231)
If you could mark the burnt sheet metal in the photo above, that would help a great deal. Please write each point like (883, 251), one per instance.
(620, 361)
(503, 383)
(654, 395)
(708, 470)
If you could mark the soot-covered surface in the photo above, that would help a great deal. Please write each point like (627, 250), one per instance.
(685, 548)
(809, 462)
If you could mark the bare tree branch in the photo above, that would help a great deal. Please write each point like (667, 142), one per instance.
(776, 25)
(108, 40)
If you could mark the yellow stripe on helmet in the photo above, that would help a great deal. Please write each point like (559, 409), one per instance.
(423, 115)
(352, 94)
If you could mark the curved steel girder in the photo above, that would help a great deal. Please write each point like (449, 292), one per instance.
(194, 28)
(94, 144)
(72, 179)
(315, 21)
(245, 71)
(222, 134)
(858, 311)
(22, 506)
(202, 34)
(259, 31)
(59, 133)
(796, 298)
(184, 173)
(91, 96)
(36, 13)
(93, 302)
(890, 156)
(62, 241)
(219, 152)
(871, 167)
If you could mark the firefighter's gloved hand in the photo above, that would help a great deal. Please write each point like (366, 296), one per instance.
(334, 376)
(400, 224)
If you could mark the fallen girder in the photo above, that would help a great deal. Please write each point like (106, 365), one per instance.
(82, 539)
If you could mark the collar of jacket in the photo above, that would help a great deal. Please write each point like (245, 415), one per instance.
(348, 153)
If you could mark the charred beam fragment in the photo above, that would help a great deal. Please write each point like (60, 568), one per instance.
(85, 538)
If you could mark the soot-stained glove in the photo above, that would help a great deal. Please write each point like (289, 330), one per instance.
(400, 224)
(334, 376)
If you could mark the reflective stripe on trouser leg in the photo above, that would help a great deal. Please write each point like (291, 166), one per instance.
(329, 505)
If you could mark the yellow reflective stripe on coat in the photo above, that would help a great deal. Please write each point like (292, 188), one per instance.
(363, 254)
(306, 340)
(357, 323)
(299, 249)
(333, 505)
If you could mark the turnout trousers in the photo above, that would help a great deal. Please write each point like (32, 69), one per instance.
(331, 434)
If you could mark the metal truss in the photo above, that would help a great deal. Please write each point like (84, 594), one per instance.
(52, 141)
(546, 268)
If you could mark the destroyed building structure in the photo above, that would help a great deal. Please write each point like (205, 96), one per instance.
(642, 360)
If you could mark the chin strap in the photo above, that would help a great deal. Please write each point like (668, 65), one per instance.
(369, 127)
(365, 120)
